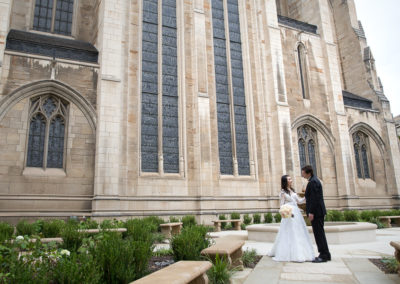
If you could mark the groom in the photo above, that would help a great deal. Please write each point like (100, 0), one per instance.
(315, 209)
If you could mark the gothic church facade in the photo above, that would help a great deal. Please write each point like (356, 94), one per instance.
(117, 108)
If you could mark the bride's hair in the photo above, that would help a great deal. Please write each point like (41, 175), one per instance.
(284, 184)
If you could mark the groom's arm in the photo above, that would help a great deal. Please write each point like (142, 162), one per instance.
(311, 198)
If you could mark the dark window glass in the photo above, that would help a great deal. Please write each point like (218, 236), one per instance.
(365, 161)
(303, 71)
(239, 99)
(56, 143)
(43, 15)
(311, 155)
(302, 153)
(149, 121)
(37, 131)
(221, 81)
(63, 18)
(62, 21)
(358, 165)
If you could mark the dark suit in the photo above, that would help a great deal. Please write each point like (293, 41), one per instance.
(315, 205)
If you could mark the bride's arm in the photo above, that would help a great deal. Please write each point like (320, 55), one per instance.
(282, 198)
(298, 199)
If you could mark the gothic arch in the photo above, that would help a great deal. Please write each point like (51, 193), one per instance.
(49, 87)
(318, 125)
(363, 127)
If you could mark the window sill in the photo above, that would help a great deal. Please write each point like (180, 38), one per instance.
(39, 172)
(52, 34)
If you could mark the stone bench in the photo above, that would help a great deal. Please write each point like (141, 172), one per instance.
(182, 272)
(96, 231)
(236, 224)
(386, 220)
(230, 249)
(169, 229)
(396, 246)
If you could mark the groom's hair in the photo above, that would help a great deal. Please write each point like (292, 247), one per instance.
(308, 170)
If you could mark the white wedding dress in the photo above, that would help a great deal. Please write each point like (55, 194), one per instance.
(293, 242)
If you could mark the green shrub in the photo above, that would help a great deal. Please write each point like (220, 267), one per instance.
(163, 252)
(248, 257)
(336, 216)
(277, 218)
(391, 264)
(242, 226)
(122, 261)
(228, 226)
(109, 224)
(351, 215)
(89, 224)
(189, 220)
(25, 229)
(366, 215)
(6, 232)
(256, 218)
(156, 221)
(38, 226)
(376, 213)
(219, 273)
(235, 216)
(173, 219)
(141, 230)
(268, 217)
(247, 219)
(378, 223)
(52, 228)
(76, 269)
(189, 243)
(222, 217)
(72, 239)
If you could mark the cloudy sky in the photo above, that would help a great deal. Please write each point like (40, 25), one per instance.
(381, 22)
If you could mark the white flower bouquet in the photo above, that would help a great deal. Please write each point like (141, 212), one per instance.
(286, 211)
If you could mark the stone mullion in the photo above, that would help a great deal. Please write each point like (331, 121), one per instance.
(230, 88)
(160, 116)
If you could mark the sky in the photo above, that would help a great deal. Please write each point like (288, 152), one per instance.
(381, 22)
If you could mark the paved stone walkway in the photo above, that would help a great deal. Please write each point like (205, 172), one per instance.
(349, 264)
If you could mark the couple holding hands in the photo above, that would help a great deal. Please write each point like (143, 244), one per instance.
(293, 242)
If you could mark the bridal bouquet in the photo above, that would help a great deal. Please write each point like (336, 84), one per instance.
(286, 211)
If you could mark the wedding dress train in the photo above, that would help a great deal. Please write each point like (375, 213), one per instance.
(293, 242)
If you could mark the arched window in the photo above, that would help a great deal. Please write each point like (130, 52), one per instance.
(307, 147)
(46, 132)
(301, 56)
(361, 150)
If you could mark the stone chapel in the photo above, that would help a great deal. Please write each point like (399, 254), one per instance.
(128, 108)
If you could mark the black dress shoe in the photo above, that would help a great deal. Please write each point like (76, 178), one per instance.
(328, 258)
(319, 260)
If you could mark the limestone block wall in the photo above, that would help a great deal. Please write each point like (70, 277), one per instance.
(32, 192)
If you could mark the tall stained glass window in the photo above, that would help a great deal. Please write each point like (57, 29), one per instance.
(46, 132)
(307, 141)
(230, 93)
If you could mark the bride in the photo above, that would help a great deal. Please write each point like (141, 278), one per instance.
(293, 243)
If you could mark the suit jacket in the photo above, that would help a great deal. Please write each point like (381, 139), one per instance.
(315, 198)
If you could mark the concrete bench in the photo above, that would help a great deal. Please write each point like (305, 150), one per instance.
(386, 220)
(96, 231)
(235, 223)
(230, 249)
(169, 229)
(182, 272)
(396, 246)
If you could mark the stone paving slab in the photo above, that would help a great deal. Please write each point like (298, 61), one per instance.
(367, 273)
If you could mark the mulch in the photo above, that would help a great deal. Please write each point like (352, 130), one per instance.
(382, 266)
(257, 259)
(159, 262)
